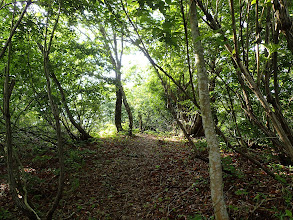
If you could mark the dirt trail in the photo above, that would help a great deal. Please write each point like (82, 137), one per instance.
(140, 178)
(145, 177)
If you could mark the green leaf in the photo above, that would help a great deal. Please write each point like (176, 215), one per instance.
(241, 192)
(281, 179)
(38, 14)
(253, 2)
(167, 25)
(272, 47)
(288, 213)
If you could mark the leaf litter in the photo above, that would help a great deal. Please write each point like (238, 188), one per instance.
(148, 177)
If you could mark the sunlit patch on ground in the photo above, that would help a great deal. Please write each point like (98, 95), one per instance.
(3, 188)
(29, 170)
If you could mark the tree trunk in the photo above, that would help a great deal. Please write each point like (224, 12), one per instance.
(127, 107)
(284, 20)
(216, 184)
(54, 108)
(17, 189)
(12, 32)
(247, 76)
(118, 109)
(55, 112)
(84, 134)
(140, 122)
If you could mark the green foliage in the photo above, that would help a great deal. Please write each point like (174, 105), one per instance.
(74, 159)
(82, 64)
(5, 214)
(201, 145)
(240, 192)
(228, 164)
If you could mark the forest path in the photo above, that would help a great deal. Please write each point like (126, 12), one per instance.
(140, 177)
(144, 177)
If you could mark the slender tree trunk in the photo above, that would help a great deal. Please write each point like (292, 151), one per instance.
(245, 74)
(216, 184)
(84, 134)
(140, 122)
(55, 112)
(54, 108)
(17, 189)
(284, 20)
(115, 60)
(127, 107)
(12, 32)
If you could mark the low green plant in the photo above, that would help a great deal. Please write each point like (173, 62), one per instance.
(283, 215)
(74, 184)
(288, 197)
(259, 197)
(240, 192)
(233, 207)
(74, 159)
(5, 214)
(42, 158)
(227, 163)
(201, 145)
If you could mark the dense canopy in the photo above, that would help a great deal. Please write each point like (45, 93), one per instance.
(217, 73)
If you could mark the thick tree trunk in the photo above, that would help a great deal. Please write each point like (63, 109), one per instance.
(118, 109)
(195, 129)
(216, 184)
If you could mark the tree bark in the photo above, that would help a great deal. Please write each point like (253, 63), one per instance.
(118, 109)
(115, 60)
(284, 20)
(140, 122)
(246, 75)
(127, 107)
(84, 134)
(17, 189)
(14, 29)
(55, 112)
(216, 180)
(54, 108)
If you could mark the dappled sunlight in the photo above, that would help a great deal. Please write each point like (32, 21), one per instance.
(4, 187)
(108, 105)
(29, 170)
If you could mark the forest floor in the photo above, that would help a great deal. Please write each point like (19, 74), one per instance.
(147, 177)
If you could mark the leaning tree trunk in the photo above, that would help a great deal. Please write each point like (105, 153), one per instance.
(216, 184)
(284, 137)
(84, 134)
